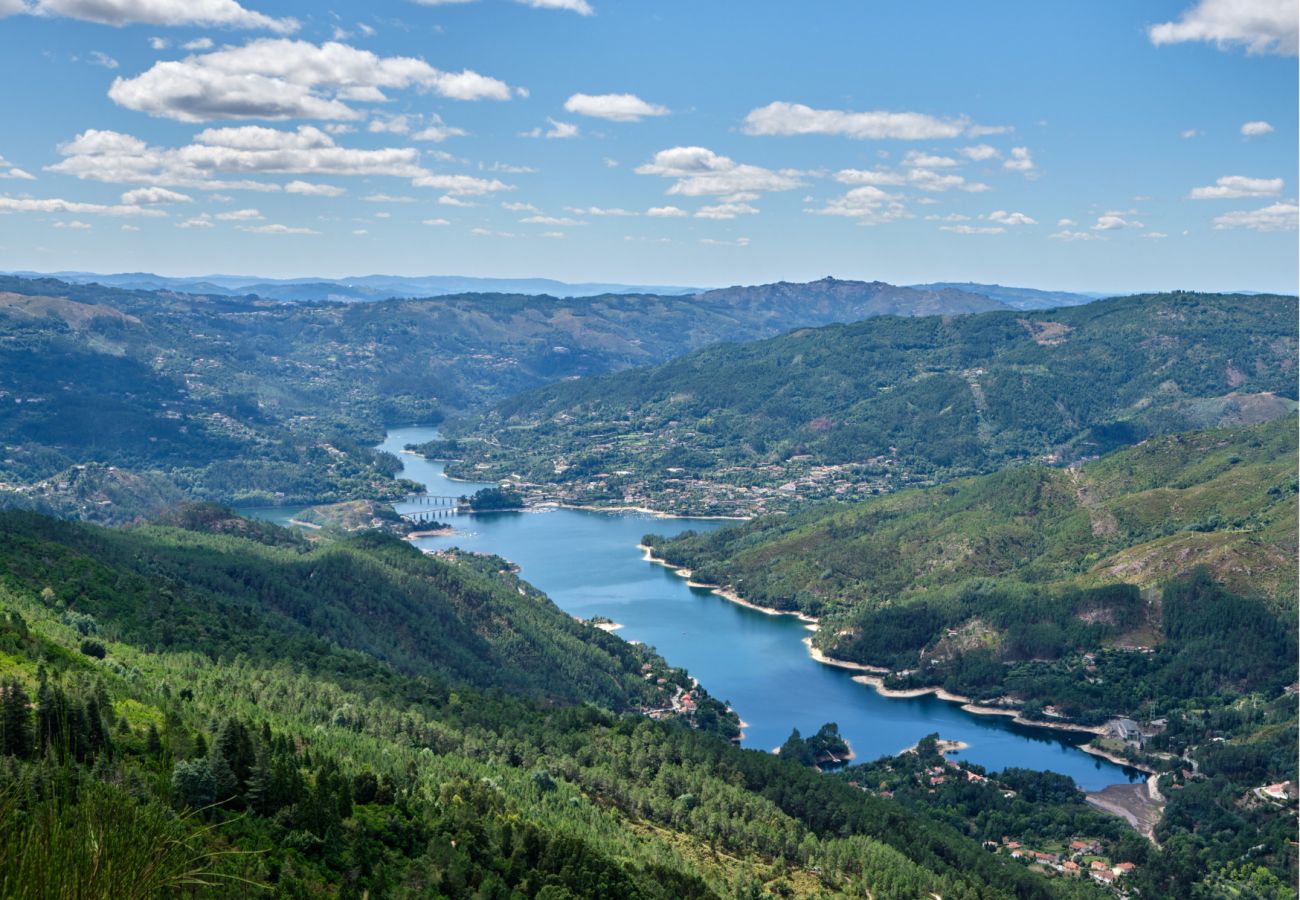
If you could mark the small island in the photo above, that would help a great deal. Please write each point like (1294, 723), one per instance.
(495, 500)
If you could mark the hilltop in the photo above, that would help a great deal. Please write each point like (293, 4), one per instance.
(852, 410)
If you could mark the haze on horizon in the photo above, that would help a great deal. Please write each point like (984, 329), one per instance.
(1066, 147)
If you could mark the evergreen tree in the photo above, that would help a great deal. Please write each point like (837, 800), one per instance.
(15, 721)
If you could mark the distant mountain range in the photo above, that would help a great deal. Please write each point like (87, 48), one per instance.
(941, 295)
(360, 288)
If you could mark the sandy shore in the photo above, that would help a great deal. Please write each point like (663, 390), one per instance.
(609, 626)
(301, 524)
(725, 594)
(1118, 760)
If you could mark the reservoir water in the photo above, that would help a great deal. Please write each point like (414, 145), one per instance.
(589, 564)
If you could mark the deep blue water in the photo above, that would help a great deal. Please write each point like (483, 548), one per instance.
(589, 564)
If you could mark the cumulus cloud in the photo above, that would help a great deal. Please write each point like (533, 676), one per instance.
(1275, 217)
(9, 170)
(1021, 160)
(1232, 187)
(99, 58)
(980, 152)
(435, 221)
(437, 131)
(1010, 218)
(870, 176)
(1256, 129)
(929, 180)
(218, 13)
(928, 160)
(581, 7)
(550, 220)
(868, 204)
(600, 211)
(74, 207)
(725, 211)
(782, 118)
(1188, 133)
(151, 195)
(202, 220)
(244, 151)
(461, 185)
(275, 78)
(973, 229)
(74, 224)
(697, 172)
(1261, 26)
(1114, 221)
(1076, 236)
(615, 107)
(666, 212)
(557, 131)
(239, 215)
(713, 242)
(387, 198)
(277, 229)
(309, 189)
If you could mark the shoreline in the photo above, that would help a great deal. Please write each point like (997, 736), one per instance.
(730, 596)
(644, 510)
(873, 675)
(610, 627)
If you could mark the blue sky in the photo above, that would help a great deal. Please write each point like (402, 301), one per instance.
(1091, 146)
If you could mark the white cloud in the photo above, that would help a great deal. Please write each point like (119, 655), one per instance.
(581, 7)
(387, 198)
(558, 130)
(198, 44)
(437, 131)
(973, 229)
(239, 215)
(1232, 187)
(1188, 133)
(1261, 26)
(156, 43)
(980, 152)
(550, 220)
(100, 58)
(615, 107)
(697, 172)
(74, 224)
(928, 160)
(1065, 223)
(74, 207)
(515, 206)
(309, 189)
(462, 185)
(243, 151)
(151, 195)
(1076, 236)
(1256, 129)
(782, 118)
(1155, 235)
(1275, 217)
(1021, 160)
(219, 13)
(738, 242)
(870, 176)
(600, 211)
(1114, 221)
(130, 227)
(868, 204)
(1010, 218)
(8, 170)
(929, 180)
(725, 211)
(276, 78)
(435, 221)
(359, 232)
(666, 212)
(389, 125)
(276, 229)
(202, 220)
(449, 200)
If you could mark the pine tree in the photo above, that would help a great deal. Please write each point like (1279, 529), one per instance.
(15, 721)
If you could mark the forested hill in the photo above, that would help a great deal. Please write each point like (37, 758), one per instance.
(850, 410)
(241, 399)
(215, 707)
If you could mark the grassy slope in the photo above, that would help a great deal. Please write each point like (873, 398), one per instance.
(636, 794)
(1127, 516)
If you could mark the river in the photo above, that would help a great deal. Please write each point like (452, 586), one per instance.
(589, 564)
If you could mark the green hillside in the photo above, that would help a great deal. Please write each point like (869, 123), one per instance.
(197, 707)
(247, 400)
(852, 410)
(996, 584)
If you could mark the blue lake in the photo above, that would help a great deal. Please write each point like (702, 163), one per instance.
(589, 564)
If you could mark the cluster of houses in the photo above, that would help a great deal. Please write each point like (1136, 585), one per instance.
(1082, 858)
